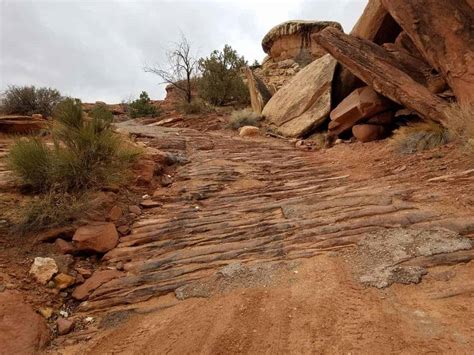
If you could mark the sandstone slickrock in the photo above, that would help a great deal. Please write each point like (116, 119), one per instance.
(360, 104)
(303, 103)
(98, 237)
(97, 279)
(380, 70)
(43, 269)
(369, 132)
(22, 330)
(442, 32)
(249, 131)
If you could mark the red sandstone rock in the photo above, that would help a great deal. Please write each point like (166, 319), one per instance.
(97, 279)
(369, 132)
(362, 103)
(64, 326)
(64, 247)
(384, 119)
(99, 237)
(22, 330)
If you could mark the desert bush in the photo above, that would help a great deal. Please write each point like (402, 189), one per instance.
(196, 106)
(51, 210)
(245, 117)
(27, 100)
(86, 153)
(221, 81)
(142, 107)
(420, 136)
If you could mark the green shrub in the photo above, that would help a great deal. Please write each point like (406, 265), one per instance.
(420, 136)
(196, 106)
(86, 153)
(221, 81)
(245, 117)
(142, 107)
(27, 100)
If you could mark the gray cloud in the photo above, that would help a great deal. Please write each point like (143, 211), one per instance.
(96, 50)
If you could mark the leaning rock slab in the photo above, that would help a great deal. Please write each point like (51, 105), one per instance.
(43, 269)
(303, 103)
(22, 330)
(96, 238)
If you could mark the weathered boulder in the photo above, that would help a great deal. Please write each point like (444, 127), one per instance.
(249, 131)
(96, 238)
(304, 103)
(360, 104)
(290, 47)
(292, 39)
(97, 279)
(43, 269)
(369, 132)
(259, 93)
(22, 330)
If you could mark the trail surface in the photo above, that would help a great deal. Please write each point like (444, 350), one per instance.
(287, 222)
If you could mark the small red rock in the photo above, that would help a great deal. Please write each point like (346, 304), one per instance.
(115, 214)
(369, 132)
(63, 246)
(64, 326)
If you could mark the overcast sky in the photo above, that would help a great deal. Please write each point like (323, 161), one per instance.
(96, 49)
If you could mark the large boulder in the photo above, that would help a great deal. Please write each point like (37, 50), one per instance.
(95, 238)
(292, 39)
(290, 47)
(22, 330)
(303, 103)
(362, 103)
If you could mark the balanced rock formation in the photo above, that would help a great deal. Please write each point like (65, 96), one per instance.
(290, 46)
(303, 103)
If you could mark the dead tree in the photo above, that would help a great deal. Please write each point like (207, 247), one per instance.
(180, 70)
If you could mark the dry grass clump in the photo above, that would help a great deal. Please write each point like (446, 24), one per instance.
(86, 152)
(461, 124)
(420, 136)
(245, 117)
(51, 210)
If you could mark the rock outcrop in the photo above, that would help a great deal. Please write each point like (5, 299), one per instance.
(303, 103)
(290, 46)
(22, 124)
